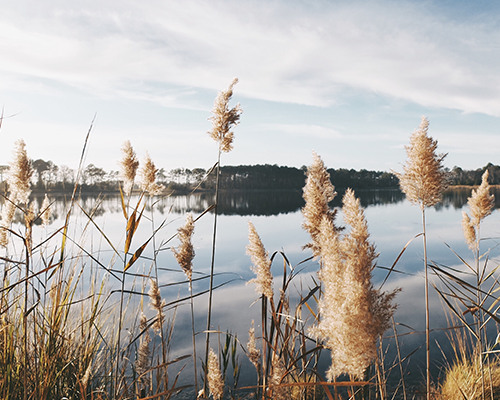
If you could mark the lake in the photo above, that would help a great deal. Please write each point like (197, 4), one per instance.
(392, 220)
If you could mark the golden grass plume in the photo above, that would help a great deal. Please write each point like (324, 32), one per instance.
(224, 118)
(128, 166)
(352, 313)
(184, 254)
(214, 376)
(424, 178)
(148, 177)
(318, 192)
(261, 263)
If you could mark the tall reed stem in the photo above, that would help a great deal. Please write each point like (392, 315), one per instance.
(194, 339)
(480, 311)
(427, 340)
(210, 292)
(25, 323)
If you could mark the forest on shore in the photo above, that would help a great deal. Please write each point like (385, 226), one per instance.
(49, 177)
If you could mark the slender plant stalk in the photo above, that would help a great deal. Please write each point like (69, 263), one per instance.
(479, 312)
(194, 338)
(25, 323)
(264, 345)
(427, 331)
(212, 264)
(399, 357)
(120, 323)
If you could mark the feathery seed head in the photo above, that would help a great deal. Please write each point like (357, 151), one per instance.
(45, 210)
(8, 211)
(156, 303)
(279, 371)
(424, 178)
(148, 173)
(352, 312)
(19, 174)
(261, 263)
(318, 192)
(143, 353)
(481, 203)
(469, 231)
(184, 254)
(252, 350)
(128, 166)
(224, 119)
(214, 376)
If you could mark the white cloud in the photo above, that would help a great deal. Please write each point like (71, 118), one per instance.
(303, 130)
(297, 53)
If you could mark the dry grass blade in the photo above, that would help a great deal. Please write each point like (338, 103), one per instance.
(77, 180)
(204, 178)
(139, 251)
(27, 278)
(466, 285)
(461, 259)
(101, 232)
(136, 255)
(457, 314)
(124, 207)
(397, 259)
(133, 224)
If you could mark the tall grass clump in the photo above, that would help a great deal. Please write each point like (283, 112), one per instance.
(48, 345)
(424, 180)
(465, 375)
(470, 302)
(287, 360)
(352, 313)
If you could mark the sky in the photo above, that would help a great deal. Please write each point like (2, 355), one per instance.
(349, 80)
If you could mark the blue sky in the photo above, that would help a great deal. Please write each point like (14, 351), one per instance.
(347, 79)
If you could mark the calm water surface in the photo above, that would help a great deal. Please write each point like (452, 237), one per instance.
(277, 217)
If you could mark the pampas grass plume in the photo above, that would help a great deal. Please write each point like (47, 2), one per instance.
(481, 205)
(157, 304)
(469, 231)
(148, 177)
(424, 178)
(261, 263)
(224, 119)
(279, 371)
(18, 179)
(214, 376)
(8, 211)
(19, 174)
(252, 351)
(352, 313)
(45, 210)
(143, 353)
(128, 166)
(184, 254)
(318, 192)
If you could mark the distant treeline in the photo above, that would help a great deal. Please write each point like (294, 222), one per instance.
(48, 177)
(264, 177)
(257, 177)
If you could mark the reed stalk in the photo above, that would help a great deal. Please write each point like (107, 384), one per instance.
(184, 255)
(223, 120)
(423, 181)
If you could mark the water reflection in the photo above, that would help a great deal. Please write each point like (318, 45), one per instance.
(276, 215)
(245, 203)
